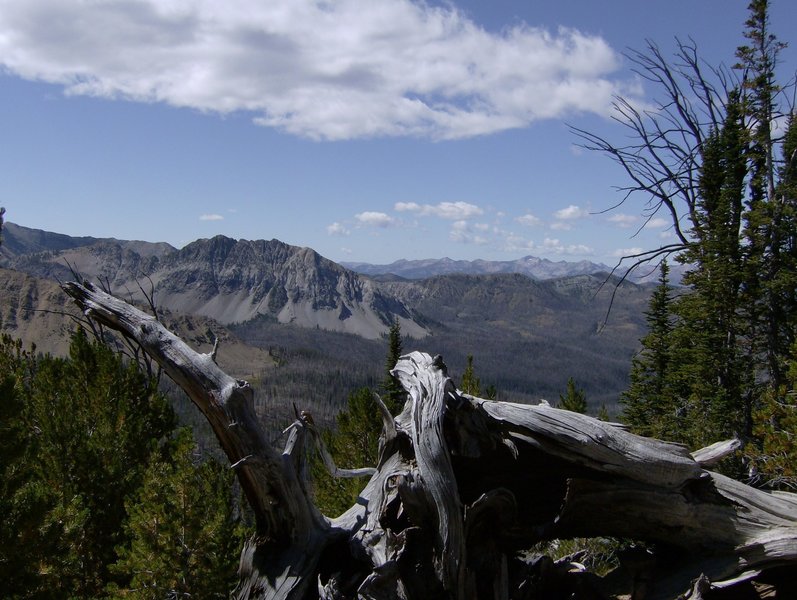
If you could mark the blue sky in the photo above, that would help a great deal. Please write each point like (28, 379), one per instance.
(369, 130)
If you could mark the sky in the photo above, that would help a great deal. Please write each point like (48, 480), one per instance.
(369, 130)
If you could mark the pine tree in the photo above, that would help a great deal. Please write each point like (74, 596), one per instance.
(768, 225)
(648, 405)
(574, 399)
(773, 462)
(393, 394)
(21, 503)
(90, 422)
(185, 537)
(354, 444)
(470, 383)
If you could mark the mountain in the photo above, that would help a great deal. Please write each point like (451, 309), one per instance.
(37, 310)
(315, 327)
(531, 266)
(18, 240)
(227, 280)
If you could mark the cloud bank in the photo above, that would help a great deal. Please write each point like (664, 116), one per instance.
(323, 70)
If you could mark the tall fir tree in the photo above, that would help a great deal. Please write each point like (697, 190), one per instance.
(767, 220)
(393, 394)
(648, 405)
(712, 369)
(355, 441)
(574, 399)
(470, 382)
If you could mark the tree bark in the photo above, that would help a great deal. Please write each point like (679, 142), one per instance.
(465, 487)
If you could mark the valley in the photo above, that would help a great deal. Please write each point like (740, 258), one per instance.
(307, 331)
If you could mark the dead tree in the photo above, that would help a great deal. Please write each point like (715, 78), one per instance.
(465, 486)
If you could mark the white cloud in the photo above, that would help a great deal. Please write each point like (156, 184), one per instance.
(623, 220)
(549, 246)
(571, 212)
(529, 220)
(621, 252)
(461, 232)
(213, 217)
(554, 246)
(516, 243)
(375, 219)
(324, 70)
(337, 229)
(453, 211)
(561, 226)
(658, 223)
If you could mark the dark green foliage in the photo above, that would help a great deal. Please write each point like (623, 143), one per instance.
(648, 404)
(773, 459)
(22, 506)
(393, 395)
(715, 357)
(574, 399)
(184, 535)
(710, 371)
(470, 383)
(78, 434)
(354, 444)
(91, 423)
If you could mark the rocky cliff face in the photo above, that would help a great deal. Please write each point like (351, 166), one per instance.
(228, 280)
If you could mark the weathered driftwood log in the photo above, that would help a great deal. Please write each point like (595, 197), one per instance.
(464, 486)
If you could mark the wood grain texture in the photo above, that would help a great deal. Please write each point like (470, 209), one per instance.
(465, 486)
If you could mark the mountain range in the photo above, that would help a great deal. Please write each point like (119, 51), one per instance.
(315, 328)
(531, 266)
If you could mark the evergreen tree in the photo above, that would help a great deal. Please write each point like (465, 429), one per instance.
(22, 499)
(769, 222)
(773, 462)
(648, 405)
(97, 420)
(184, 536)
(470, 383)
(712, 369)
(574, 399)
(393, 394)
(84, 477)
(355, 444)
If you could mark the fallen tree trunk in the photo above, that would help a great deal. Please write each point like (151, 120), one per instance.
(465, 487)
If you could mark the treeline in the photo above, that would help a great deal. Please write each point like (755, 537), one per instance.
(101, 495)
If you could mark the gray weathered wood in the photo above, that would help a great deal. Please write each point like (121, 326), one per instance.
(465, 485)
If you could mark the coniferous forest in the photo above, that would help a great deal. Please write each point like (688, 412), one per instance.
(104, 495)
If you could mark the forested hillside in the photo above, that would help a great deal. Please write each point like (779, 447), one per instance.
(558, 328)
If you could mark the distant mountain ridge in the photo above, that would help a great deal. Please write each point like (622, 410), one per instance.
(228, 280)
(531, 266)
(528, 334)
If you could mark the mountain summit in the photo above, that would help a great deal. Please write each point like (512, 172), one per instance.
(229, 280)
